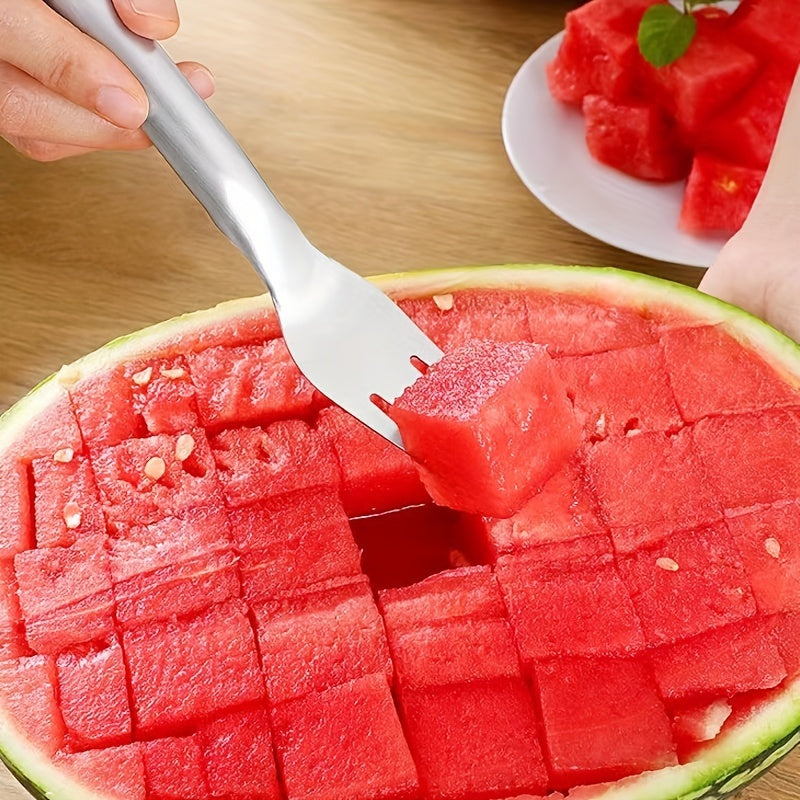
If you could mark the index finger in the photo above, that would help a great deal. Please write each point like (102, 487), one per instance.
(154, 19)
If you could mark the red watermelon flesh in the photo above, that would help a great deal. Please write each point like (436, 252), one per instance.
(786, 636)
(446, 728)
(719, 663)
(344, 742)
(16, 510)
(699, 722)
(769, 29)
(66, 502)
(117, 772)
(376, 475)
(733, 378)
(249, 385)
(238, 758)
(465, 410)
(174, 769)
(598, 385)
(582, 697)
(312, 641)
(164, 395)
(638, 139)
(12, 637)
(54, 430)
(186, 669)
(718, 195)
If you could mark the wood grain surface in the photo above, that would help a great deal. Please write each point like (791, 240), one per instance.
(376, 122)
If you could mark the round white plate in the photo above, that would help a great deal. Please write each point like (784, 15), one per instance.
(545, 142)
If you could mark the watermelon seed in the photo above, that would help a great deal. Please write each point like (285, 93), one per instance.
(668, 564)
(142, 378)
(72, 515)
(155, 468)
(64, 456)
(444, 302)
(173, 374)
(773, 547)
(184, 447)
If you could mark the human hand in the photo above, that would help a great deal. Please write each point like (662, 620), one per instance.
(62, 93)
(759, 268)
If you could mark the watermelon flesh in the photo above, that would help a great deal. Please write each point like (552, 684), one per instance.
(283, 613)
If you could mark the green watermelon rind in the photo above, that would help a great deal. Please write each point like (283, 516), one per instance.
(730, 762)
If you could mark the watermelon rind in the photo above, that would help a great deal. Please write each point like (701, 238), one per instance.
(736, 757)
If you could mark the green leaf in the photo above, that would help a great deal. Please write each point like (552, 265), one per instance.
(665, 34)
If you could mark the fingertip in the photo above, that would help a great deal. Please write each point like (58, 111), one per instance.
(200, 77)
(120, 107)
(153, 19)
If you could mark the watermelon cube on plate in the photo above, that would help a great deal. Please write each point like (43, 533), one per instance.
(476, 739)
(733, 378)
(768, 28)
(602, 718)
(145, 480)
(164, 395)
(359, 752)
(487, 426)
(751, 458)
(174, 769)
(249, 384)
(66, 501)
(185, 669)
(719, 663)
(455, 320)
(553, 609)
(16, 510)
(238, 758)
(718, 195)
(600, 385)
(65, 594)
(314, 640)
(257, 463)
(116, 773)
(93, 695)
(376, 475)
(573, 325)
(30, 689)
(639, 139)
(691, 583)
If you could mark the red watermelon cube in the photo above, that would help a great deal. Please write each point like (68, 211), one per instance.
(601, 386)
(769, 29)
(314, 640)
(487, 426)
(66, 501)
(238, 758)
(751, 458)
(719, 663)
(174, 769)
(93, 695)
(12, 637)
(639, 139)
(115, 772)
(694, 581)
(718, 195)
(183, 670)
(603, 720)
(164, 395)
(16, 510)
(786, 635)
(145, 480)
(54, 429)
(733, 378)
(475, 739)
(257, 463)
(454, 320)
(376, 475)
(359, 752)
(249, 385)
(28, 699)
(65, 594)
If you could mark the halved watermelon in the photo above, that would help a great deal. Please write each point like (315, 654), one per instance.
(191, 609)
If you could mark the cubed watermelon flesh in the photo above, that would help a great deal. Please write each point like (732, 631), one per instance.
(282, 613)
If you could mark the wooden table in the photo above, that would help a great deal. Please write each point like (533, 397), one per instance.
(378, 125)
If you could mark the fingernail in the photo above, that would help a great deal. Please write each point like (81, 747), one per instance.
(158, 9)
(120, 107)
(202, 81)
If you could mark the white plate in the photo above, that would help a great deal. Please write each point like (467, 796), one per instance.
(545, 142)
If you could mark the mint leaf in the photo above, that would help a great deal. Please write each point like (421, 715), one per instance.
(665, 34)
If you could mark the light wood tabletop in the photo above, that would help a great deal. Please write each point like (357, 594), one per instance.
(377, 123)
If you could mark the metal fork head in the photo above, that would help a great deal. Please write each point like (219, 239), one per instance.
(352, 342)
